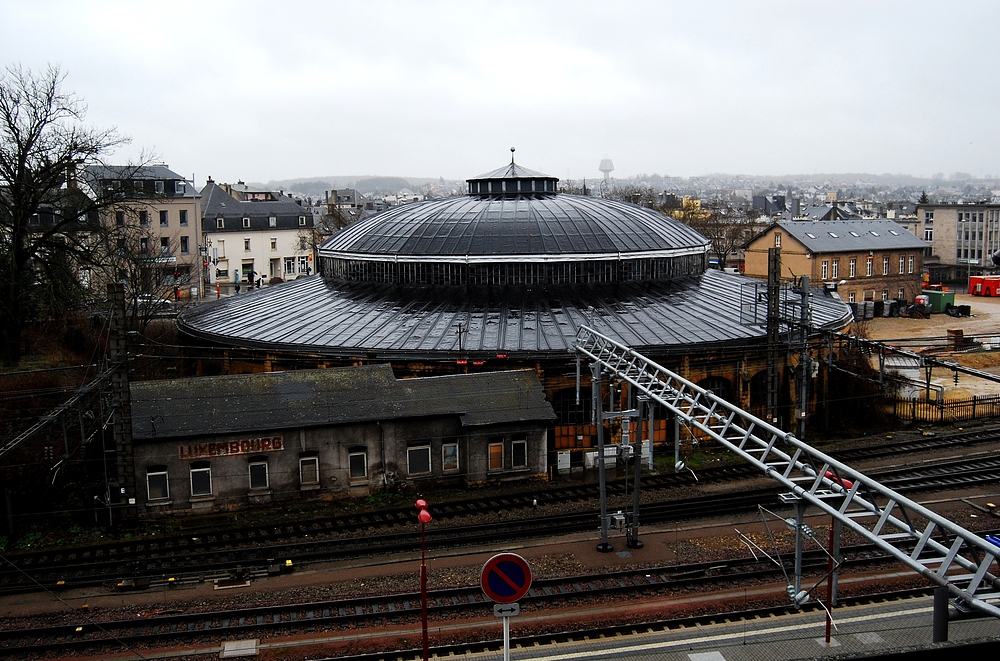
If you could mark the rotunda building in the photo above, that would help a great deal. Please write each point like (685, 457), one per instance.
(503, 277)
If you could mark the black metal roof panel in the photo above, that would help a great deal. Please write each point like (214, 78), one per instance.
(554, 227)
(312, 314)
(178, 408)
(512, 171)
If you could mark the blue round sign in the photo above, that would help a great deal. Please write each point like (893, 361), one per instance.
(506, 578)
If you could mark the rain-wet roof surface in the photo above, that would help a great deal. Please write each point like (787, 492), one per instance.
(303, 398)
(555, 227)
(315, 315)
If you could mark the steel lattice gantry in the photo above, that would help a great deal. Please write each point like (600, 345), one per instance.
(945, 553)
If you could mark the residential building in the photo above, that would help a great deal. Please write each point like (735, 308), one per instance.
(255, 235)
(866, 260)
(961, 238)
(164, 209)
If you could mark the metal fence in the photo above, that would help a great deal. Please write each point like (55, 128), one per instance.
(950, 410)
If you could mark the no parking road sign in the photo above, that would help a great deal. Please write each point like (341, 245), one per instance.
(506, 578)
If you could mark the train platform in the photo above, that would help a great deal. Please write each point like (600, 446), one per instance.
(900, 630)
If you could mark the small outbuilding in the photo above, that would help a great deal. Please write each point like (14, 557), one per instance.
(218, 443)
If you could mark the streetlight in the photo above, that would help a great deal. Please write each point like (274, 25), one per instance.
(424, 517)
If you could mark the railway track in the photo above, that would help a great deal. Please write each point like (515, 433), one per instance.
(89, 637)
(261, 551)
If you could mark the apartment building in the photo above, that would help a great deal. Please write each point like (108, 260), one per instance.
(254, 235)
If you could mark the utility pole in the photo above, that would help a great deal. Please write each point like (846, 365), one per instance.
(121, 417)
(773, 331)
(803, 373)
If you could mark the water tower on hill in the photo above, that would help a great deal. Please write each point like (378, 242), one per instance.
(607, 167)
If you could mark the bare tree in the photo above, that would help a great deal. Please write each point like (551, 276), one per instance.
(44, 212)
(726, 227)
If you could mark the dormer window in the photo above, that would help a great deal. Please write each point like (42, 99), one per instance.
(220, 223)
(158, 187)
(179, 187)
(272, 221)
(137, 185)
(246, 221)
(302, 221)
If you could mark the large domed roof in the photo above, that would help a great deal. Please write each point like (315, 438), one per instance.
(545, 227)
(515, 214)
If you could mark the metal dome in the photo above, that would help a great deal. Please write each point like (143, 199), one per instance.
(543, 228)
(513, 228)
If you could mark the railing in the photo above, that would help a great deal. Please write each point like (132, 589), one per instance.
(950, 410)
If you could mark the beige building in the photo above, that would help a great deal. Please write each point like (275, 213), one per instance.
(867, 260)
(961, 237)
(162, 208)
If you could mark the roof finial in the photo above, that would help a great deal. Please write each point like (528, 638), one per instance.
(512, 156)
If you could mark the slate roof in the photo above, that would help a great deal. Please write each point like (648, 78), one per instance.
(217, 203)
(179, 408)
(851, 235)
(550, 228)
(320, 316)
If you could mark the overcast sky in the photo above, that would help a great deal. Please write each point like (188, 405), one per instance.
(273, 90)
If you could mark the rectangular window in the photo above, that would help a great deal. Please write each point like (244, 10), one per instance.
(519, 454)
(164, 245)
(868, 268)
(289, 266)
(120, 218)
(144, 218)
(246, 222)
(302, 221)
(777, 240)
(885, 266)
(258, 474)
(449, 457)
(850, 297)
(164, 221)
(201, 480)
(272, 222)
(853, 269)
(220, 223)
(274, 243)
(885, 294)
(825, 269)
(184, 245)
(309, 470)
(144, 245)
(496, 455)
(179, 187)
(158, 187)
(157, 487)
(246, 244)
(303, 264)
(902, 265)
(901, 294)
(909, 264)
(358, 462)
(836, 269)
(137, 185)
(418, 459)
(183, 215)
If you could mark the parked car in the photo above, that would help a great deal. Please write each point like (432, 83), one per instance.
(152, 303)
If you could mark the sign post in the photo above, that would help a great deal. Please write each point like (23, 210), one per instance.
(506, 578)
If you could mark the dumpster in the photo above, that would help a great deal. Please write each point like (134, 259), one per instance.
(939, 300)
